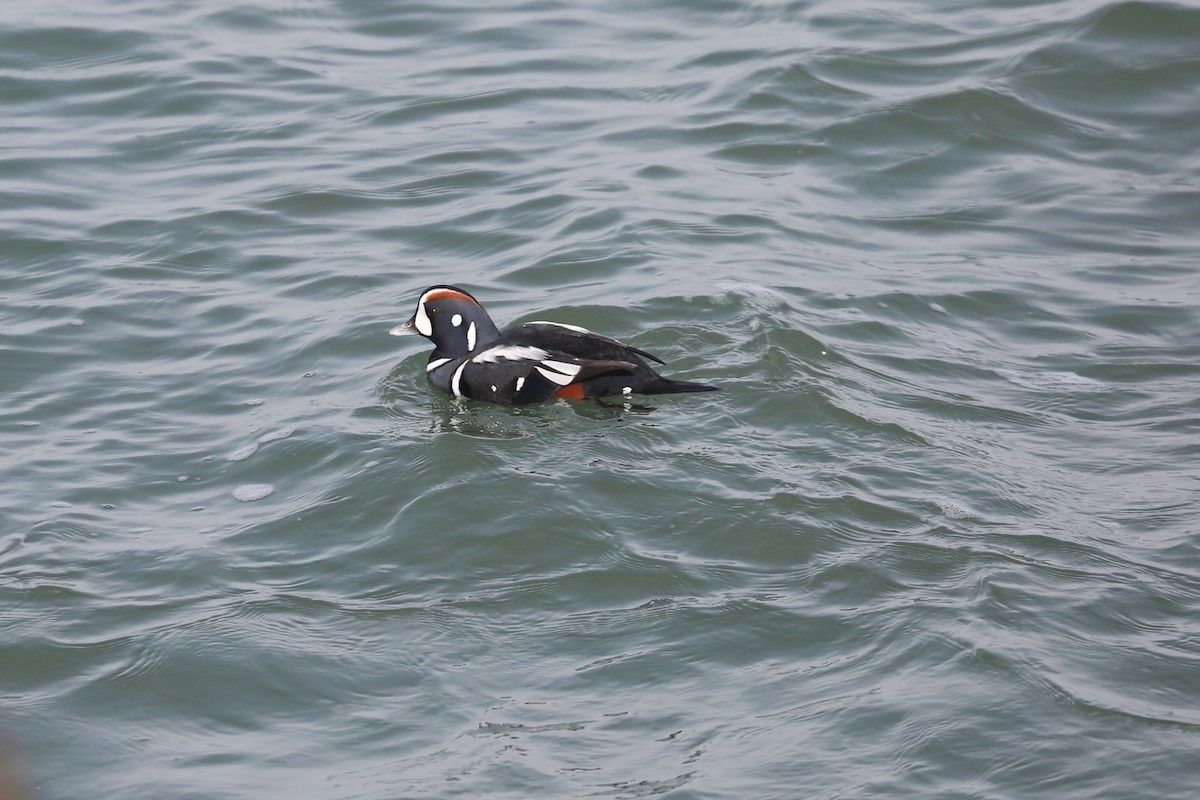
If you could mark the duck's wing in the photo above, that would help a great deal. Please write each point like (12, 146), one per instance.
(575, 341)
(515, 373)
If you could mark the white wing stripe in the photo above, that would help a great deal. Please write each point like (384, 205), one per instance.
(510, 352)
(575, 328)
(561, 366)
(556, 377)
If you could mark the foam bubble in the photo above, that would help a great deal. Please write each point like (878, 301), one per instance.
(250, 492)
(243, 453)
(1048, 380)
(954, 510)
(274, 436)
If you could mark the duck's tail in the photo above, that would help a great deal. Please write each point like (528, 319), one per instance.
(669, 386)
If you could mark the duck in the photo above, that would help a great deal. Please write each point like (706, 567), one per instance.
(534, 362)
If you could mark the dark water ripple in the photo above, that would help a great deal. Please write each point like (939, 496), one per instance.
(935, 538)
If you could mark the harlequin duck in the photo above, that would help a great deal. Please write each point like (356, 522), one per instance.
(530, 363)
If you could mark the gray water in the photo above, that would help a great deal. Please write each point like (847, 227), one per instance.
(935, 538)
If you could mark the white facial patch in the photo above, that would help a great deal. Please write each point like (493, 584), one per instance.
(470, 336)
(509, 352)
(456, 320)
(422, 321)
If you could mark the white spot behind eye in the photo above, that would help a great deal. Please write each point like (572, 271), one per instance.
(456, 320)
(471, 337)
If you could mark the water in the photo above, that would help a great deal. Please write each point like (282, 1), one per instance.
(936, 537)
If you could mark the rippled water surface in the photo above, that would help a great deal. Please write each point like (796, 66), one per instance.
(936, 537)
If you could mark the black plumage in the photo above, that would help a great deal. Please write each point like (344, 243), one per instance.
(529, 363)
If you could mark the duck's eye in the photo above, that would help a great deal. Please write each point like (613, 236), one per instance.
(433, 312)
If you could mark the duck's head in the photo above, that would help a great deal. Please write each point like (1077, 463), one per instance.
(452, 319)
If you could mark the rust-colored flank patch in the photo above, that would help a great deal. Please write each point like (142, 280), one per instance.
(572, 391)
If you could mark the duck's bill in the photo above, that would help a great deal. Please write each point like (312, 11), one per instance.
(407, 329)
